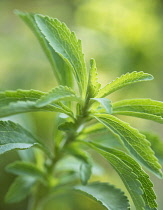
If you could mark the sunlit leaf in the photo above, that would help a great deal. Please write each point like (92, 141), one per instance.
(156, 144)
(65, 43)
(57, 94)
(21, 101)
(93, 85)
(123, 81)
(143, 108)
(61, 69)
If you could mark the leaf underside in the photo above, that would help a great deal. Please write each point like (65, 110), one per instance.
(13, 136)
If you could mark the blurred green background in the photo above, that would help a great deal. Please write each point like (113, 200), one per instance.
(122, 35)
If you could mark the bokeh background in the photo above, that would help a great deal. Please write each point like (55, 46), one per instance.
(122, 35)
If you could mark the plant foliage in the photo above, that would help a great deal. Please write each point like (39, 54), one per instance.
(86, 111)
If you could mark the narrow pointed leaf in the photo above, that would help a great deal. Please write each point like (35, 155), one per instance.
(94, 85)
(105, 194)
(129, 178)
(13, 136)
(143, 108)
(123, 81)
(26, 169)
(134, 141)
(57, 94)
(61, 69)
(147, 186)
(19, 189)
(65, 43)
(21, 101)
(156, 145)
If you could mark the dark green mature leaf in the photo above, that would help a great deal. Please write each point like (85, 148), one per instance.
(123, 81)
(26, 169)
(57, 94)
(105, 194)
(13, 136)
(94, 85)
(134, 141)
(127, 175)
(156, 144)
(61, 69)
(148, 193)
(21, 101)
(65, 43)
(143, 108)
(19, 189)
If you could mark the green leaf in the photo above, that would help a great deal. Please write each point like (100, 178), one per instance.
(26, 169)
(143, 108)
(85, 172)
(134, 141)
(21, 101)
(13, 136)
(65, 43)
(93, 83)
(123, 81)
(19, 189)
(57, 94)
(127, 175)
(156, 144)
(86, 165)
(105, 194)
(105, 103)
(61, 69)
(148, 193)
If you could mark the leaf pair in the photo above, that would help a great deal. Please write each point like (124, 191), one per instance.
(135, 179)
(62, 48)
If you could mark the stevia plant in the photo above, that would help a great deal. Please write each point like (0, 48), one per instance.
(83, 111)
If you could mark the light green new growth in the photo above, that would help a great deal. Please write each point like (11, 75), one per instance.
(61, 69)
(57, 94)
(93, 84)
(123, 81)
(65, 43)
(86, 121)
